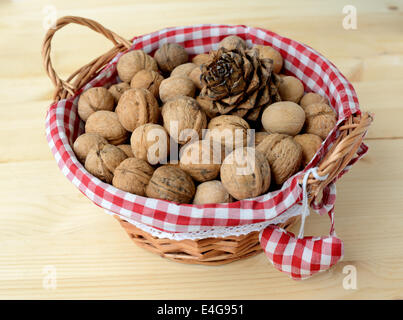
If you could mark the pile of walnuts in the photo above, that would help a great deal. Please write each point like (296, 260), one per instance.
(133, 127)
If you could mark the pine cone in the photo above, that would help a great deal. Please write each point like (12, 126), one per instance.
(238, 82)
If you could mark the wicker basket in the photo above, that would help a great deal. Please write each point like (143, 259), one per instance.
(210, 251)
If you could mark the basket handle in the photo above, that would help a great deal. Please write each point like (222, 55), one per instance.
(67, 88)
(352, 133)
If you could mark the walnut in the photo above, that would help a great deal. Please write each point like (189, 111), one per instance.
(172, 184)
(311, 98)
(137, 107)
(147, 79)
(201, 160)
(195, 75)
(132, 175)
(267, 52)
(117, 90)
(230, 131)
(132, 62)
(284, 155)
(232, 43)
(174, 163)
(211, 192)
(320, 119)
(283, 117)
(259, 136)
(201, 58)
(182, 115)
(170, 55)
(291, 89)
(107, 125)
(183, 70)
(245, 173)
(126, 148)
(95, 99)
(150, 142)
(102, 161)
(176, 86)
(310, 144)
(85, 143)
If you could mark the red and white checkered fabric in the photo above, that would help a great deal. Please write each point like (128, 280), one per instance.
(300, 258)
(316, 72)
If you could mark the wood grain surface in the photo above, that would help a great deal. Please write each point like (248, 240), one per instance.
(47, 224)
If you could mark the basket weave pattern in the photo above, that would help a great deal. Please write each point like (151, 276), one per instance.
(209, 251)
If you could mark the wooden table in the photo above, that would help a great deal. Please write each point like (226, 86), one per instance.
(46, 225)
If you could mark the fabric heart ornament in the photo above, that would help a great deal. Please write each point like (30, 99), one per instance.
(300, 258)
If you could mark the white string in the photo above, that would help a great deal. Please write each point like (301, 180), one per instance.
(305, 205)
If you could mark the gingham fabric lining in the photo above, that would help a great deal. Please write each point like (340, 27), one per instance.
(217, 232)
(300, 258)
(317, 73)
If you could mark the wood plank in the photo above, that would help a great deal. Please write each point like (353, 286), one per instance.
(55, 225)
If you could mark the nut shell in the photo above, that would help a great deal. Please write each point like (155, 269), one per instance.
(283, 117)
(137, 107)
(211, 192)
(132, 175)
(201, 160)
(245, 173)
(320, 119)
(311, 98)
(284, 155)
(259, 136)
(310, 144)
(85, 143)
(117, 90)
(144, 144)
(95, 99)
(107, 125)
(291, 89)
(267, 52)
(183, 70)
(102, 161)
(230, 131)
(232, 43)
(170, 55)
(195, 75)
(173, 87)
(172, 184)
(201, 58)
(132, 62)
(181, 114)
(147, 79)
(126, 148)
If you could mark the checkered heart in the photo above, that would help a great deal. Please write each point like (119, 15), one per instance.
(300, 258)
